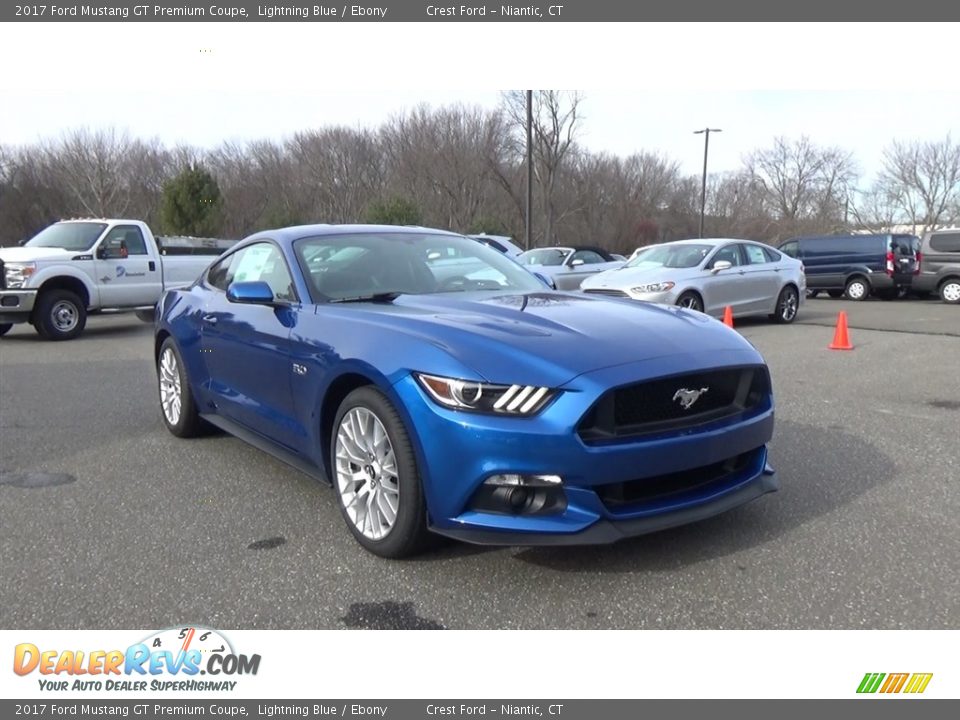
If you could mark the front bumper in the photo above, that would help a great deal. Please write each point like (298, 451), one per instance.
(458, 451)
(16, 305)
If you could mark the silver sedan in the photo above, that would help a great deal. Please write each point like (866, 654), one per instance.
(568, 266)
(709, 276)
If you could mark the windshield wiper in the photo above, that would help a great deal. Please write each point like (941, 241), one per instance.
(389, 296)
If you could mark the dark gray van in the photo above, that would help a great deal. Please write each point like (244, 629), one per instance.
(857, 265)
(940, 265)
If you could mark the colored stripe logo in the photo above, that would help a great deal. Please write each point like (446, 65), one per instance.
(913, 683)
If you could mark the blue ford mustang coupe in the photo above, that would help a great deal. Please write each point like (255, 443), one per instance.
(439, 386)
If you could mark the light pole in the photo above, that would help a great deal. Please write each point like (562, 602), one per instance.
(528, 229)
(703, 190)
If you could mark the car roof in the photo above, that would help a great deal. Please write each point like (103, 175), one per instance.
(296, 232)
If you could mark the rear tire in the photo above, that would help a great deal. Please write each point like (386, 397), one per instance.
(5, 328)
(787, 305)
(59, 315)
(691, 301)
(835, 294)
(950, 291)
(858, 289)
(375, 476)
(145, 316)
(812, 293)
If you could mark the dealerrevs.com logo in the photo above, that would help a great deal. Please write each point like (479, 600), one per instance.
(171, 659)
(891, 683)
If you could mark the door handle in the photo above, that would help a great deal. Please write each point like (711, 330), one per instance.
(210, 319)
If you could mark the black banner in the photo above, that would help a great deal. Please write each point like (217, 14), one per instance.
(473, 11)
(853, 709)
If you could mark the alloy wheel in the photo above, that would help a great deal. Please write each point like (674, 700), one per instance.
(367, 476)
(171, 398)
(788, 305)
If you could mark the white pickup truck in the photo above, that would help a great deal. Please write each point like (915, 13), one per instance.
(77, 267)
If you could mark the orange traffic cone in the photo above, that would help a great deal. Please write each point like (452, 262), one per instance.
(841, 338)
(728, 316)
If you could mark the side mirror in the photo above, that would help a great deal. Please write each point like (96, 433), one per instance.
(250, 293)
(546, 281)
(111, 250)
(721, 265)
(576, 263)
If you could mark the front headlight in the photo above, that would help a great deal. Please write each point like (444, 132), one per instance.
(17, 274)
(653, 287)
(457, 394)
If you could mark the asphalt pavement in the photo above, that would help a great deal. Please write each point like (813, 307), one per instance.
(107, 521)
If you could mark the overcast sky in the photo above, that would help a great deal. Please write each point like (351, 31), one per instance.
(244, 82)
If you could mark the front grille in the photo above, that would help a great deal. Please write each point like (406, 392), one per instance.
(605, 291)
(697, 481)
(658, 405)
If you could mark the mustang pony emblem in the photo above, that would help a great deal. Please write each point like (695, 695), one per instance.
(688, 397)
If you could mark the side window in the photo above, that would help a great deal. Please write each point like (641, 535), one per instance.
(589, 257)
(219, 276)
(263, 262)
(772, 255)
(730, 253)
(791, 249)
(946, 242)
(128, 238)
(755, 255)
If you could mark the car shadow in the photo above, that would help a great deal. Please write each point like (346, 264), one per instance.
(92, 331)
(809, 489)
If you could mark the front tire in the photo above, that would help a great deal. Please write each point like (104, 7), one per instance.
(787, 305)
(375, 476)
(177, 405)
(5, 328)
(691, 301)
(60, 315)
(857, 289)
(950, 291)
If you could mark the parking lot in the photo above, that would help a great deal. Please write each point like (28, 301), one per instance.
(110, 522)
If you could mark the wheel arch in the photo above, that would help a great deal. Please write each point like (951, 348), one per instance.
(67, 282)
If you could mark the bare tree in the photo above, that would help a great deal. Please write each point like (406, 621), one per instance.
(93, 166)
(800, 181)
(556, 120)
(922, 181)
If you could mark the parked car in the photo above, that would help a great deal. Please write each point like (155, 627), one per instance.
(709, 276)
(76, 267)
(857, 265)
(493, 411)
(940, 265)
(502, 243)
(568, 266)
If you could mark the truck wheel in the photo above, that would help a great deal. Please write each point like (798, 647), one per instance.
(145, 316)
(835, 294)
(60, 315)
(5, 328)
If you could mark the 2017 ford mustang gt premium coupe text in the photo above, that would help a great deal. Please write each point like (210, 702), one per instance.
(483, 406)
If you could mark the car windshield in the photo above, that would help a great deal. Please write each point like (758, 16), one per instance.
(670, 256)
(544, 256)
(69, 236)
(345, 267)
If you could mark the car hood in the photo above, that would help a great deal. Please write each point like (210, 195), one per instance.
(38, 254)
(631, 277)
(551, 337)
